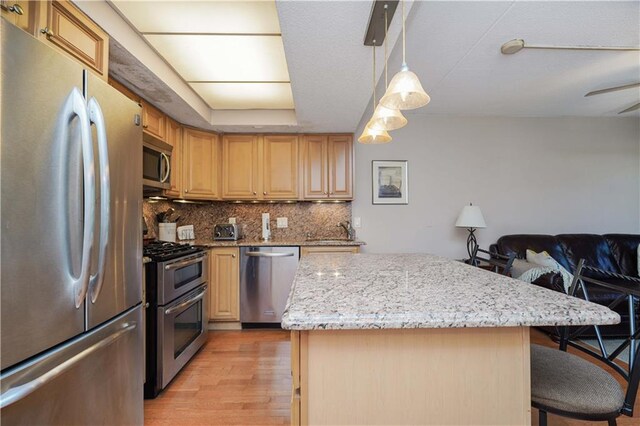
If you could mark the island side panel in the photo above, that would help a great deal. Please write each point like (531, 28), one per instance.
(415, 376)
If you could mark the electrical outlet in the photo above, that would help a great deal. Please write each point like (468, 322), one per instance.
(282, 222)
(356, 222)
(232, 220)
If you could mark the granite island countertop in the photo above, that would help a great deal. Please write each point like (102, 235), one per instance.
(393, 291)
(205, 242)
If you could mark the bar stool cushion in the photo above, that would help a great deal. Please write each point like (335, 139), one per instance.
(567, 383)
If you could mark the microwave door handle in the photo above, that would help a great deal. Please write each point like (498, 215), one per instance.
(75, 106)
(186, 303)
(167, 172)
(96, 117)
(19, 392)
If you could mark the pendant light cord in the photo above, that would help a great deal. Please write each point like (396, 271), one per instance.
(374, 75)
(386, 78)
(404, 58)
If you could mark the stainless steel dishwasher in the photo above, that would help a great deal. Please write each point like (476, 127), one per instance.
(266, 275)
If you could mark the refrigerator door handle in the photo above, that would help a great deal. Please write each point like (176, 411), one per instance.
(75, 106)
(96, 117)
(17, 393)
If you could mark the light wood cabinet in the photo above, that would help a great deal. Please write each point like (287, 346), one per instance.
(154, 122)
(174, 138)
(21, 13)
(340, 159)
(224, 284)
(306, 250)
(327, 167)
(240, 167)
(69, 30)
(314, 167)
(280, 167)
(200, 164)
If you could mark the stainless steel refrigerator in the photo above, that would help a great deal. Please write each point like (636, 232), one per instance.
(71, 277)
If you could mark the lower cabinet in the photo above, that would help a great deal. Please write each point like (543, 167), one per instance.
(224, 284)
(328, 250)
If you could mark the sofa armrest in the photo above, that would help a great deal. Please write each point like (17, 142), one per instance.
(552, 281)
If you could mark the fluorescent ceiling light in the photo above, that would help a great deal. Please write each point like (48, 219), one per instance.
(246, 95)
(224, 58)
(222, 17)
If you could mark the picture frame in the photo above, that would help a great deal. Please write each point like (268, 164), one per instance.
(390, 182)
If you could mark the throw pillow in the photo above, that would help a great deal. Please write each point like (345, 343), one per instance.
(520, 266)
(545, 259)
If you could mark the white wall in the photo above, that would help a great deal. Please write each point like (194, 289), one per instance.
(528, 175)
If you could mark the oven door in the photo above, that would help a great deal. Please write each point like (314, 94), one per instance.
(156, 166)
(179, 276)
(182, 330)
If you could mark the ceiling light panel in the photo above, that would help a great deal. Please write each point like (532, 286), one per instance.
(246, 95)
(221, 17)
(224, 58)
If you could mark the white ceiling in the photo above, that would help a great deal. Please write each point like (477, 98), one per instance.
(454, 47)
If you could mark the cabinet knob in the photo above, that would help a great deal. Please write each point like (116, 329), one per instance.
(325, 192)
(264, 193)
(331, 193)
(186, 190)
(233, 256)
(145, 126)
(46, 31)
(255, 193)
(17, 9)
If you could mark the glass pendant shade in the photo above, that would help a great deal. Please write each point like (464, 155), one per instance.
(387, 119)
(373, 136)
(405, 91)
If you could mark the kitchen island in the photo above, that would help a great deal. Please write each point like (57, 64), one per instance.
(416, 339)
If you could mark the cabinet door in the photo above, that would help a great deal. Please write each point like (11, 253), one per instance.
(240, 167)
(21, 13)
(314, 167)
(280, 167)
(174, 138)
(200, 152)
(154, 122)
(71, 31)
(224, 284)
(340, 148)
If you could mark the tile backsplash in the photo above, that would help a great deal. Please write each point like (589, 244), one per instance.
(318, 219)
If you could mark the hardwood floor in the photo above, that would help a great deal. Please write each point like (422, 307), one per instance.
(243, 378)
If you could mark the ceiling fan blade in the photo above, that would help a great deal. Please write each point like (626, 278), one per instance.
(631, 108)
(613, 89)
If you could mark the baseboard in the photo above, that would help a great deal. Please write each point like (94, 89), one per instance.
(226, 325)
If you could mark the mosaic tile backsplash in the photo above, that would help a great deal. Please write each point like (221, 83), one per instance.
(320, 220)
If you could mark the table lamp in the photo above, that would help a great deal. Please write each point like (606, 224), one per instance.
(471, 218)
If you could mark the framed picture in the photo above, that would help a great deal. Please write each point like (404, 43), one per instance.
(390, 182)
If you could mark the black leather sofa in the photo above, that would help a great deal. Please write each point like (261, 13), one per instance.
(611, 252)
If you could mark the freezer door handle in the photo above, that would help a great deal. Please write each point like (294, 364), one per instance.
(268, 254)
(76, 107)
(96, 117)
(19, 392)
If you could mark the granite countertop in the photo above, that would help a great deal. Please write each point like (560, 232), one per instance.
(274, 242)
(373, 291)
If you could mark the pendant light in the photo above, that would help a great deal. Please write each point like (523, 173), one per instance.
(405, 90)
(369, 135)
(386, 118)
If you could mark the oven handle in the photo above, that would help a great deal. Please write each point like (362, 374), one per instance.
(267, 254)
(186, 262)
(186, 303)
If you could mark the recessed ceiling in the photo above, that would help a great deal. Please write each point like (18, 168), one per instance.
(229, 52)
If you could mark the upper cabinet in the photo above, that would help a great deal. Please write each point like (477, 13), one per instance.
(21, 13)
(327, 167)
(174, 138)
(68, 29)
(154, 122)
(200, 163)
(280, 167)
(240, 167)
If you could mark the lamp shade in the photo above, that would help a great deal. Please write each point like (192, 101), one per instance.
(374, 136)
(387, 119)
(471, 217)
(405, 91)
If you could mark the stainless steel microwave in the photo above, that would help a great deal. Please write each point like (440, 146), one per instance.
(156, 164)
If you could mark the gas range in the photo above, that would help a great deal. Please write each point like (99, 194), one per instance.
(161, 251)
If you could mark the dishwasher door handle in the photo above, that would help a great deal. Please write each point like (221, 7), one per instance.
(267, 254)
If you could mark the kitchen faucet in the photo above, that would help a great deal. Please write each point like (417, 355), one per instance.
(351, 233)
